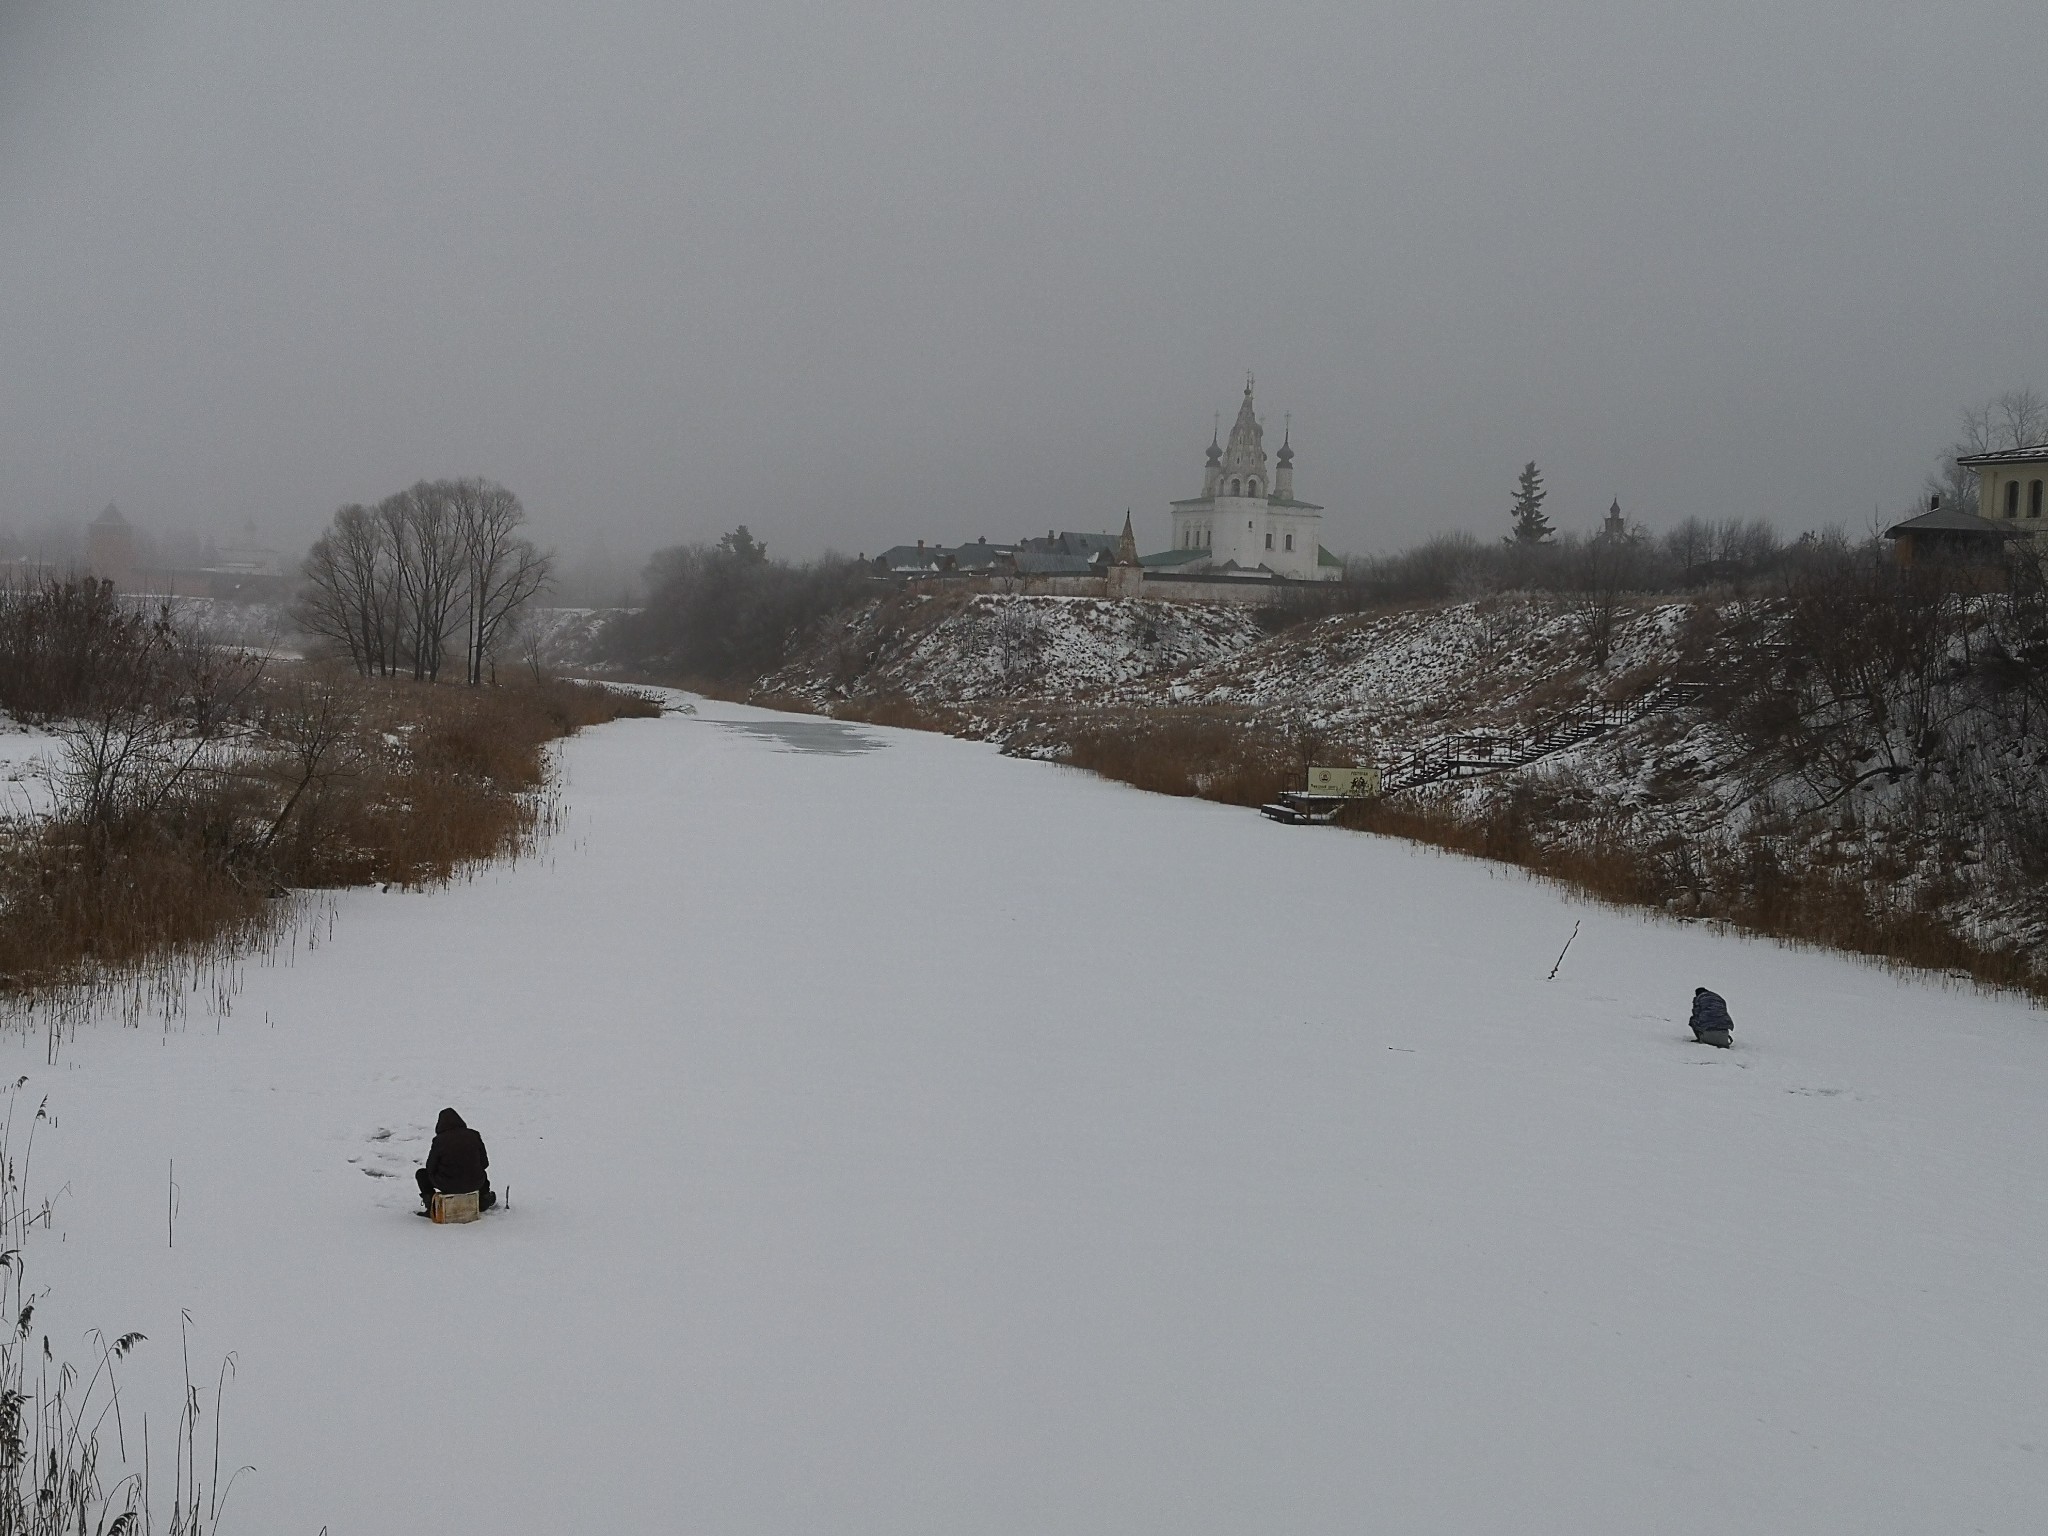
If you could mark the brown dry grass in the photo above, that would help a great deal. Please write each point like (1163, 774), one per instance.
(1212, 754)
(889, 709)
(437, 777)
(332, 780)
(1750, 889)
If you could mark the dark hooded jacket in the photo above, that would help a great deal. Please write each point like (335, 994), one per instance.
(457, 1160)
(1710, 1012)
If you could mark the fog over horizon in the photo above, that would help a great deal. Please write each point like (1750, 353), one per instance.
(855, 275)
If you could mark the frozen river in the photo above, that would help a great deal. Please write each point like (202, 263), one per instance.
(903, 1139)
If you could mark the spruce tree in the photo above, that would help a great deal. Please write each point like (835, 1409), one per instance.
(743, 547)
(1531, 526)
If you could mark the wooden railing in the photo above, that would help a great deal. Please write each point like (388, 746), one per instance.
(1473, 754)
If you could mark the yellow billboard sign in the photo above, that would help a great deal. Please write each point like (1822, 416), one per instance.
(1351, 783)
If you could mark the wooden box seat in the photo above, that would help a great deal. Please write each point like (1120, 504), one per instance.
(463, 1207)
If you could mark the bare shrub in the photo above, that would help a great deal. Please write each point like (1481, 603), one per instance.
(68, 647)
(180, 825)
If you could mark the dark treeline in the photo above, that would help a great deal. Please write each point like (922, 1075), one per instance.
(1694, 555)
(726, 612)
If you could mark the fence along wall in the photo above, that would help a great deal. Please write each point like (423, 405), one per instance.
(1250, 592)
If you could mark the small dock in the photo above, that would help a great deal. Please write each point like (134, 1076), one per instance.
(1304, 807)
(1329, 791)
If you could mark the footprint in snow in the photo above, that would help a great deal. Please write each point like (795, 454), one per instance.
(390, 1153)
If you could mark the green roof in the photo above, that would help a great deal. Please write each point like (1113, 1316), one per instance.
(1170, 557)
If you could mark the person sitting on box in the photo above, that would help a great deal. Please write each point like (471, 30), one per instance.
(456, 1164)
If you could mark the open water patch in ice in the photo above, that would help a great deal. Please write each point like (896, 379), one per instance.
(833, 738)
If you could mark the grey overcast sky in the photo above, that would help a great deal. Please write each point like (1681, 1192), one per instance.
(860, 272)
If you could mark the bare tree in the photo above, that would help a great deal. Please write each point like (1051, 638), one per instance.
(1604, 571)
(528, 641)
(429, 521)
(1744, 546)
(1690, 544)
(523, 575)
(501, 570)
(402, 575)
(2016, 419)
(325, 606)
(349, 596)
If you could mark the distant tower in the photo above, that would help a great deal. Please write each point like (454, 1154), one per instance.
(1616, 527)
(1283, 470)
(110, 548)
(1125, 577)
(1127, 545)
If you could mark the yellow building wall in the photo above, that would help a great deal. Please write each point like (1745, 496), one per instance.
(1992, 480)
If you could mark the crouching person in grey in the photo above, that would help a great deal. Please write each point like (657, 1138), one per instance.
(1710, 1022)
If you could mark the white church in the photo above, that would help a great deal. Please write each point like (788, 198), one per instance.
(1247, 520)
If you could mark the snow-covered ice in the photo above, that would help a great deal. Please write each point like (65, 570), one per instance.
(919, 1140)
(28, 762)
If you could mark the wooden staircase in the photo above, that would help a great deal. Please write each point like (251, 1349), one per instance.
(1488, 752)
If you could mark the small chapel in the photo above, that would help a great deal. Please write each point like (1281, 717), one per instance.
(1247, 518)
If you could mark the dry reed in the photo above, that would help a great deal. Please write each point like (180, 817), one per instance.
(321, 780)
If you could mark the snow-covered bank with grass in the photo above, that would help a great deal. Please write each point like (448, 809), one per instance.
(902, 1138)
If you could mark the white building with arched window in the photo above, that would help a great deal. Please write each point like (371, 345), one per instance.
(1247, 518)
(2010, 488)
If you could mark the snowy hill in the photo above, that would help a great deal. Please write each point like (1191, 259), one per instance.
(962, 649)
(1374, 677)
